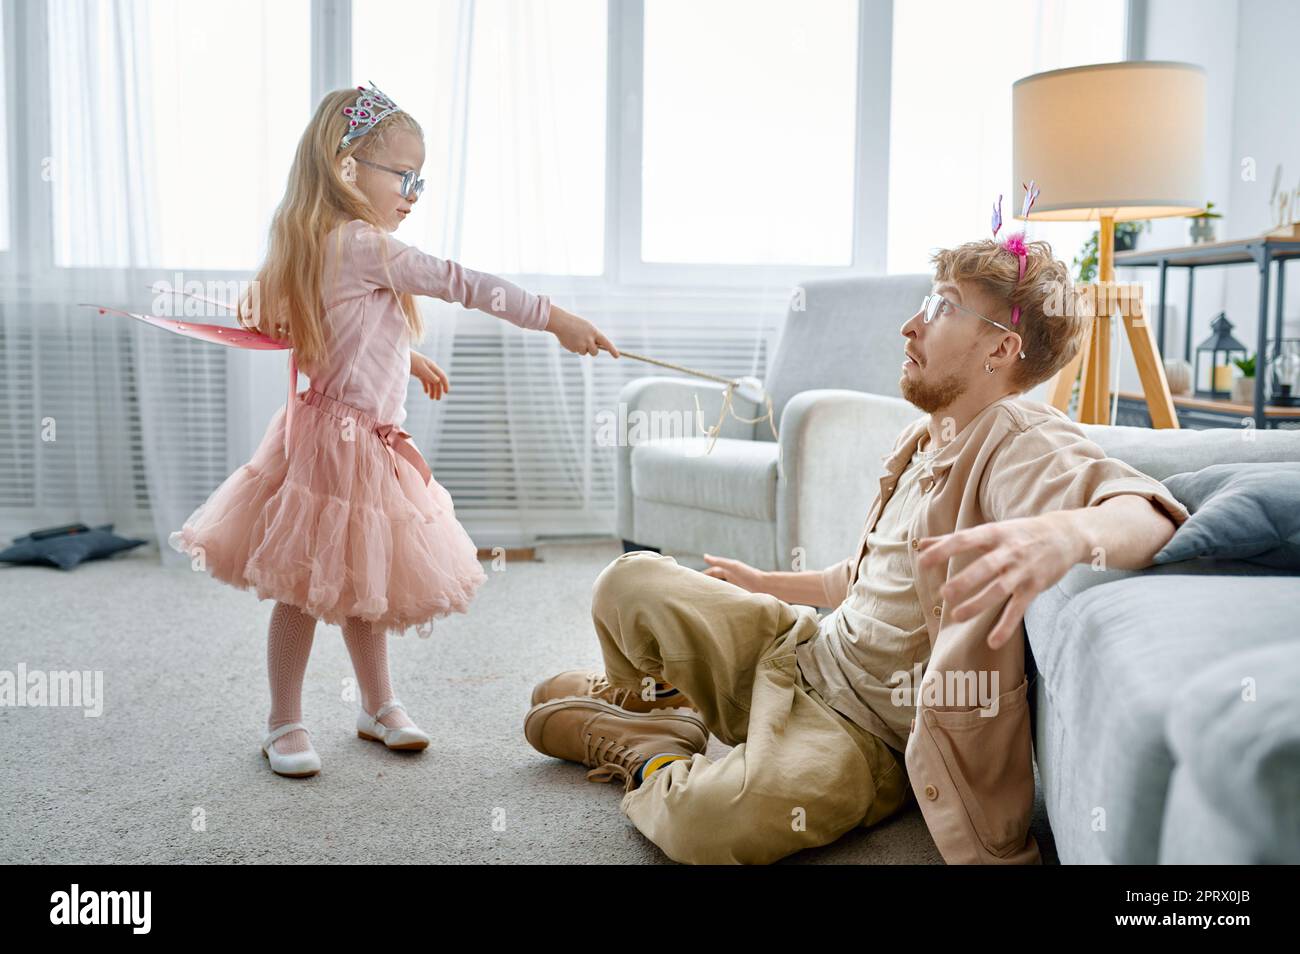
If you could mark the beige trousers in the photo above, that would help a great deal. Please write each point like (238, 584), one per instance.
(799, 775)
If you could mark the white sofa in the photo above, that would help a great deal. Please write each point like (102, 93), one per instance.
(840, 339)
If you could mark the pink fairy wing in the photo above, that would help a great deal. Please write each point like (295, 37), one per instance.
(997, 216)
(216, 334)
(231, 337)
(161, 289)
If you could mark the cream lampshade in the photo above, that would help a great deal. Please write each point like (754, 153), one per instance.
(1124, 140)
(1112, 142)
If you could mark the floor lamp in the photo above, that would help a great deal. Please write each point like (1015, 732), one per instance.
(1112, 142)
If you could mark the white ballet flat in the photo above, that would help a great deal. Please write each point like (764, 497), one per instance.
(406, 737)
(291, 764)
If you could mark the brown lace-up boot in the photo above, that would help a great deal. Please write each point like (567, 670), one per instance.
(590, 684)
(610, 740)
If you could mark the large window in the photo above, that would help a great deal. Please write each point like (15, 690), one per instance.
(737, 120)
(748, 132)
(511, 98)
(748, 138)
(748, 144)
(950, 139)
(205, 134)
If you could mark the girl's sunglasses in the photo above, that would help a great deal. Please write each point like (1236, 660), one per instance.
(411, 186)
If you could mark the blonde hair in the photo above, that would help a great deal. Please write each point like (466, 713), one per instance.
(1049, 341)
(289, 285)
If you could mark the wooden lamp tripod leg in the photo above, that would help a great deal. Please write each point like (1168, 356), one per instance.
(1063, 385)
(1151, 370)
(1094, 393)
(1093, 360)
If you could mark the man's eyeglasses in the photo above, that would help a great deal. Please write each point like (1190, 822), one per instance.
(932, 306)
(411, 186)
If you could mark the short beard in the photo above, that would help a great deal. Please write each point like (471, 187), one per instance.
(933, 397)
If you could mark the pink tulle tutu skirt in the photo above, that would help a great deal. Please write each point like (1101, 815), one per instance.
(334, 530)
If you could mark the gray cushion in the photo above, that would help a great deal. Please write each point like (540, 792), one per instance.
(1113, 649)
(736, 477)
(1162, 453)
(1236, 728)
(1239, 511)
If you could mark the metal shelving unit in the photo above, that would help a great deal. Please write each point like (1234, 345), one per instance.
(1262, 252)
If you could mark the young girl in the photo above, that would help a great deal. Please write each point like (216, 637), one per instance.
(336, 516)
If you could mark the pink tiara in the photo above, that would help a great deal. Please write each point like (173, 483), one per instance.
(1015, 244)
(371, 106)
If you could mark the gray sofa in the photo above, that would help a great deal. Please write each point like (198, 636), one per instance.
(1145, 749)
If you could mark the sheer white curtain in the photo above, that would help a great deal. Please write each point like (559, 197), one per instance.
(154, 139)
(426, 70)
(532, 168)
(145, 161)
(73, 381)
(511, 99)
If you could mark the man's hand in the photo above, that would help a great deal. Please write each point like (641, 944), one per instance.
(733, 571)
(433, 378)
(800, 586)
(577, 334)
(1020, 559)
(1023, 557)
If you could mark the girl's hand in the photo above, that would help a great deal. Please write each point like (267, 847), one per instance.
(577, 334)
(432, 377)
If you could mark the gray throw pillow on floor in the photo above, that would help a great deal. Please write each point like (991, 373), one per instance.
(65, 551)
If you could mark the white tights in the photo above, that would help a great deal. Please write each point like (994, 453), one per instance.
(289, 641)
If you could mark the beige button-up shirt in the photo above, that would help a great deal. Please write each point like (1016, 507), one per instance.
(969, 754)
(875, 642)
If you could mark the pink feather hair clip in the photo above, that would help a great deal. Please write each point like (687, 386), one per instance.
(1015, 243)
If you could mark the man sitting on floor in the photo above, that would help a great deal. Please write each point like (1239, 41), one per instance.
(915, 683)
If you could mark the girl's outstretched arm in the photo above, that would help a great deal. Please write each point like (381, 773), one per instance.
(380, 261)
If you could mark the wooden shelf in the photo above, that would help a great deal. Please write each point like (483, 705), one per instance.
(1226, 252)
(1219, 407)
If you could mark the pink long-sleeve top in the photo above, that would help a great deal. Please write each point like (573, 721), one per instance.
(369, 360)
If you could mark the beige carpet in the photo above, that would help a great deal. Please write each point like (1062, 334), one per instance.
(171, 770)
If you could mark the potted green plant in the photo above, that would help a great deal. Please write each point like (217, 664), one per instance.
(1203, 224)
(1085, 262)
(1243, 388)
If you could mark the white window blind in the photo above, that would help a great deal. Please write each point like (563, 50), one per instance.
(76, 385)
(507, 489)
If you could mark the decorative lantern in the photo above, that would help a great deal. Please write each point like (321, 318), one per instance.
(1214, 357)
